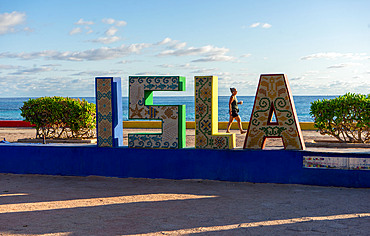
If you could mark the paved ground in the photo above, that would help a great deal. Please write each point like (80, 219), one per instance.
(56, 205)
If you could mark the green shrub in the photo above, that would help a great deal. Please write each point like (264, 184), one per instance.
(346, 118)
(60, 117)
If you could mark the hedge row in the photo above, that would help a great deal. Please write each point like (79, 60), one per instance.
(60, 117)
(346, 117)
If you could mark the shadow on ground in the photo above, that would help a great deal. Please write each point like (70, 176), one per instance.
(33, 204)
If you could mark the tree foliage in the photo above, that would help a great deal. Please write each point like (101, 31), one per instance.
(346, 117)
(60, 117)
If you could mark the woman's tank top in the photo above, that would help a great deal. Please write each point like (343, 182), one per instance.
(234, 105)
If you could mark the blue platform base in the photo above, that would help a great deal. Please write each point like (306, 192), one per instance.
(260, 166)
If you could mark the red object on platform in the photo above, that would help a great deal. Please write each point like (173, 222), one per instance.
(15, 123)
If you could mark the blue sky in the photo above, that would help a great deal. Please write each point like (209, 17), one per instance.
(58, 47)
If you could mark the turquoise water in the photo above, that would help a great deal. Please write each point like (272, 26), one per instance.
(9, 107)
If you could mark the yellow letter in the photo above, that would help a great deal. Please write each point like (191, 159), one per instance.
(206, 116)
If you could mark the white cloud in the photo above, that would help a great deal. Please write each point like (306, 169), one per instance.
(149, 73)
(109, 21)
(336, 55)
(89, 30)
(127, 61)
(98, 54)
(205, 71)
(166, 66)
(82, 22)
(111, 31)
(172, 44)
(49, 86)
(99, 73)
(259, 24)
(215, 58)
(186, 66)
(254, 25)
(118, 23)
(121, 23)
(296, 78)
(8, 21)
(51, 65)
(9, 67)
(342, 65)
(165, 41)
(266, 25)
(178, 45)
(28, 29)
(209, 53)
(209, 50)
(246, 55)
(106, 40)
(76, 30)
(31, 71)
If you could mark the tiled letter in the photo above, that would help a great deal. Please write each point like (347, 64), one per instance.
(274, 97)
(109, 111)
(172, 116)
(206, 116)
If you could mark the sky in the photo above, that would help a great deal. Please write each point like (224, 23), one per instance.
(57, 48)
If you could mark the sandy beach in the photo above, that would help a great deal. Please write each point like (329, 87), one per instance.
(13, 134)
(59, 205)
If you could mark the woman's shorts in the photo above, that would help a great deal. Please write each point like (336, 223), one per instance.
(234, 113)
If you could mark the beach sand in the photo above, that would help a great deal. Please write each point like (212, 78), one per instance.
(13, 134)
(60, 205)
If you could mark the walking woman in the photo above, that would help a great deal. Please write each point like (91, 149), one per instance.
(233, 111)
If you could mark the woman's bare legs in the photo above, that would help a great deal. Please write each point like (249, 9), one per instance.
(240, 124)
(231, 119)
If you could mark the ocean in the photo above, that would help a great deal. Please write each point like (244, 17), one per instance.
(9, 107)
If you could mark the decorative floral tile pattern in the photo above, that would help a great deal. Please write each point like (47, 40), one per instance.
(206, 116)
(141, 107)
(104, 112)
(345, 163)
(274, 97)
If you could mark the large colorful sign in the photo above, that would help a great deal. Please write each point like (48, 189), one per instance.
(273, 99)
(172, 116)
(206, 116)
(108, 112)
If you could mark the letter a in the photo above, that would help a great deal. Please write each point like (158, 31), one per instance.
(274, 97)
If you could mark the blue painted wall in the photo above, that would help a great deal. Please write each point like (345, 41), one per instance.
(261, 166)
